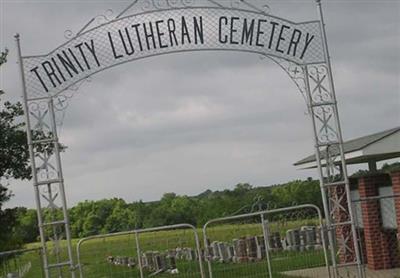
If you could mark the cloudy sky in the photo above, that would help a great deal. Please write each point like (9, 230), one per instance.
(189, 122)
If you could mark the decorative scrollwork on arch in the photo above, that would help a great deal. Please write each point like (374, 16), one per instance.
(319, 83)
(95, 21)
(295, 72)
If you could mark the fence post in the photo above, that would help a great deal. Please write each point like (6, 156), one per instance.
(266, 243)
(139, 254)
(207, 251)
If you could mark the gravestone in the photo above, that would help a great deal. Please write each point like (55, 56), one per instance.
(159, 262)
(222, 250)
(171, 262)
(251, 248)
(179, 253)
(215, 251)
(284, 244)
(277, 241)
(231, 252)
(260, 247)
(293, 239)
(310, 237)
(235, 243)
(131, 262)
(240, 250)
(150, 260)
(190, 254)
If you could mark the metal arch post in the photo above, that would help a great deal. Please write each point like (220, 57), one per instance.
(321, 175)
(47, 181)
(32, 158)
(61, 187)
(340, 143)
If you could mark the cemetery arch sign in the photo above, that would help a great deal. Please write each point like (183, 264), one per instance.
(155, 27)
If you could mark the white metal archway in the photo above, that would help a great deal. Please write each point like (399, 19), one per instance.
(155, 27)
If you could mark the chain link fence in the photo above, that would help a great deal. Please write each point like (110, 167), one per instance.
(161, 251)
(21, 263)
(284, 242)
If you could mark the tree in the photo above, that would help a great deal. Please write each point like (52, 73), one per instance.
(26, 229)
(14, 162)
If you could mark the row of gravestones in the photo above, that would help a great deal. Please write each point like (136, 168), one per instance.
(306, 238)
(155, 261)
(244, 249)
(248, 249)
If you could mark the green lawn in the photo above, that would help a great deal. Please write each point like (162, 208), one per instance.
(94, 253)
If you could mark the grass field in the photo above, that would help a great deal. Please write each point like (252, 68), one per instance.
(94, 253)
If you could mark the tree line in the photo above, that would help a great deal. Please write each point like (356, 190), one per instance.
(115, 215)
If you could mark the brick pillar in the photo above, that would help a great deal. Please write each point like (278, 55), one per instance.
(396, 191)
(390, 252)
(395, 175)
(378, 253)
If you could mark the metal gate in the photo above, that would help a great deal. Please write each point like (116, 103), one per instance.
(268, 243)
(21, 263)
(173, 249)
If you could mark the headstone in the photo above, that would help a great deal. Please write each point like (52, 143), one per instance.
(215, 251)
(158, 262)
(164, 262)
(202, 254)
(235, 243)
(271, 242)
(145, 263)
(319, 237)
(171, 262)
(251, 248)
(210, 253)
(240, 249)
(150, 260)
(110, 259)
(178, 253)
(222, 250)
(171, 253)
(260, 247)
(284, 244)
(293, 239)
(190, 254)
(131, 262)
(302, 246)
(277, 241)
(231, 252)
(310, 236)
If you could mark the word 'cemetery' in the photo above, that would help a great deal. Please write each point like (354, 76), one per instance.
(132, 39)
